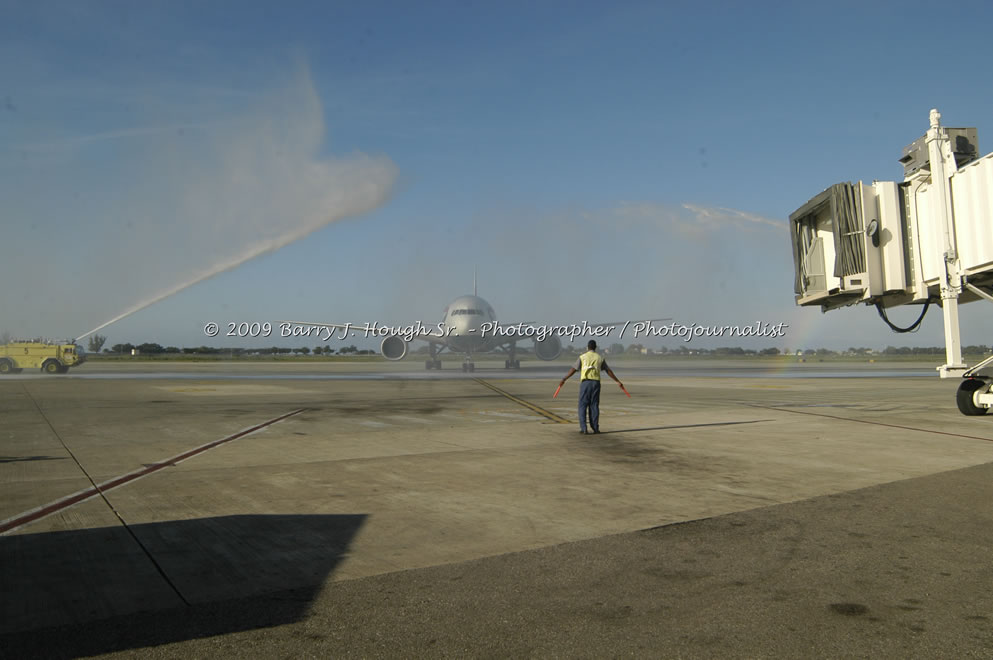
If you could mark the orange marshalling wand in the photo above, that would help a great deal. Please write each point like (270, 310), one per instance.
(625, 391)
(557, 391)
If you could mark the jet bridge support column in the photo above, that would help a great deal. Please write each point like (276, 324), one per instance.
(942, 164)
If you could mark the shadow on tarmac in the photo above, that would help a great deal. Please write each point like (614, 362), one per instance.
(684, 426)
(79, 579)
(23, 459)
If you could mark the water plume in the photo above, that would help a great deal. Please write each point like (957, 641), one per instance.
(162, 209)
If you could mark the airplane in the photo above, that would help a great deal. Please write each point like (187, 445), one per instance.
(469, 327)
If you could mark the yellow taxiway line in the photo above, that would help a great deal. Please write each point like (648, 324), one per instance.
(527, 404)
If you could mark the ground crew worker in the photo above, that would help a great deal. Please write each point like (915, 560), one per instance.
(589, 365)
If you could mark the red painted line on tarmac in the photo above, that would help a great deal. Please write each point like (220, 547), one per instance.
(76, 498)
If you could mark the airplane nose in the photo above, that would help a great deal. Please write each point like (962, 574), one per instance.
(461, 338)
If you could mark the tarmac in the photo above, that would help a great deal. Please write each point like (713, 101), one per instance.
(177, 510)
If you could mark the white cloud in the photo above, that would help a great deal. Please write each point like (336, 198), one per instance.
(716, 217)
(77, 141)
(689, 220)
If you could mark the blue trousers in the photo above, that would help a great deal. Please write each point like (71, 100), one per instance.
(589, 400)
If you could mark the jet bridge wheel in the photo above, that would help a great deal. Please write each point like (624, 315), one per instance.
(964, 397)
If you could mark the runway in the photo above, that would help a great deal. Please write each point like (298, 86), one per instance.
(374, 509)
(413, 370)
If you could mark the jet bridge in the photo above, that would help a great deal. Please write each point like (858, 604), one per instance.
(925, 240)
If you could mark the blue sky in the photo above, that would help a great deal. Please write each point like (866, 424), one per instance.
(592, 160)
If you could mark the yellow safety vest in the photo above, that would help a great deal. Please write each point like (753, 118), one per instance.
(590, 362)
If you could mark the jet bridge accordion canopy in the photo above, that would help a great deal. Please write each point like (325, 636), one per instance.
(883, 243)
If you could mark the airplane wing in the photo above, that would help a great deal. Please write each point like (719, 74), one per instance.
(580, 326)
(543, 333)
(630, 321)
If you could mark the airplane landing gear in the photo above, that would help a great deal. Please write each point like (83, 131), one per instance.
(468, 366)
(434, 362)
(512, 363)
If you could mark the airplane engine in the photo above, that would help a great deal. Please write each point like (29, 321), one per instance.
(393, 348)
(549, 348)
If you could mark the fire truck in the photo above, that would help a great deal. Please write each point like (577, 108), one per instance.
(50, 358)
